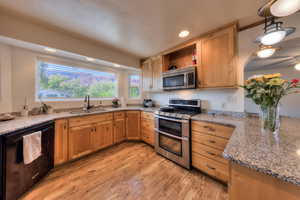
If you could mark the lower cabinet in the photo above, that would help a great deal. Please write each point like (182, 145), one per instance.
(208, 143)
(147, 128)
(80, 140)
(119, 127)
(102, 136)
(133, 119)
(61, 142)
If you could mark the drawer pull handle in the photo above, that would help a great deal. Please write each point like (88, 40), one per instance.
(212, 141)
(210, 128)
(210, 153)
(212, 168)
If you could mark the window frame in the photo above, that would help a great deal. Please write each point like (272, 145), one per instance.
(67, 63)
(128, 87)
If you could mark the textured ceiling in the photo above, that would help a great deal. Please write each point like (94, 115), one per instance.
(139, 27)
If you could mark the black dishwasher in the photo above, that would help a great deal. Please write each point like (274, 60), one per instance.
(16, 177)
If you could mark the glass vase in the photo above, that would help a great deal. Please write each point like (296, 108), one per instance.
(270, 118)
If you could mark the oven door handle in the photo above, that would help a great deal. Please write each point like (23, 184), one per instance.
(172, 136)
(171, 119)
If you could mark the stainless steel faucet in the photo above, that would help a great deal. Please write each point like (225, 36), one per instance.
(86, 104)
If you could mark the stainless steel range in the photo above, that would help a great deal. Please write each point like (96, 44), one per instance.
(173, 128)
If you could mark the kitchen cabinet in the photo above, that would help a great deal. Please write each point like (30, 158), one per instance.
(147, 128)
(133, 119)
(61, 142)
(152, 74)
(80, 142)
(119, 127)
(147, 76)
(208, 143)
(102, 136)
(217, 59)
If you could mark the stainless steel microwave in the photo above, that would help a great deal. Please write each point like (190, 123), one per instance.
(179, 79)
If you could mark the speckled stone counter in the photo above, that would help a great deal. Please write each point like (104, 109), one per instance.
(278, 156)
(25, 122)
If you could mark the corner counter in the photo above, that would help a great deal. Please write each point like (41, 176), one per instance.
(270, 155)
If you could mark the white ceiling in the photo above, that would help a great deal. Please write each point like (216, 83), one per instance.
(140, 27)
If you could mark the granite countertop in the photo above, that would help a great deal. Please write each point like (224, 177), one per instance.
(278, 156)
(25, 122)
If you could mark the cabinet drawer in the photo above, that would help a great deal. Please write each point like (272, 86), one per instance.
(148, 136)
(209, 152)
(147, 124)
(147, 115)
(79, 121)
(211, 167)
(119, 115)
(212, 129)
(209, 140)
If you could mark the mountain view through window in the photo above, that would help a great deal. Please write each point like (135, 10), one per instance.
(65, 82)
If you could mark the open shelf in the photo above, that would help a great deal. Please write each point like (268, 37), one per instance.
(180, 58)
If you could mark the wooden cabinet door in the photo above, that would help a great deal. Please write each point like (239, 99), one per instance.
(61, 142)
(218, 59)
(103, 135)
(156, 63)
(147, 75)
(119, 130)
(133, 119)
(80, 141)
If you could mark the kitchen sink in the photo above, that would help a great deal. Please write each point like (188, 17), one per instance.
(92, 110)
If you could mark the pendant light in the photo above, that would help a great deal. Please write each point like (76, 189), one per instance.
(282, 8)
(274, 32)
(265, 51)
(297, 66)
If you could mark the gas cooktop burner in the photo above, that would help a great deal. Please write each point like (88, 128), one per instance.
(182, 109)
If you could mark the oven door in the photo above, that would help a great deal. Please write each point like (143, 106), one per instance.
(174, 81)
(172, 139)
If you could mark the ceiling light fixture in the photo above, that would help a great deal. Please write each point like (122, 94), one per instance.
(183, 33)
(297, 66)
(265, 51)
(50, 50)
(117, 65)
(274, 32)
(282, 8)
(89, 59)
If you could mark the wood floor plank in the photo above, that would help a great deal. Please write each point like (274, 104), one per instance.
(128, 171)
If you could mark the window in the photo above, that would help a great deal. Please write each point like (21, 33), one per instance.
(134, 86)
(65, 82)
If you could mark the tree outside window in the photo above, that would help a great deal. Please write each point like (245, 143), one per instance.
(134, 86)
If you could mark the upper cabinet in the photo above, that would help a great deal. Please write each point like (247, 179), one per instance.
(217, 59)
(214, 55)
(151, 71)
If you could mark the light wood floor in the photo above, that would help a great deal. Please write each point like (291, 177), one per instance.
(126, 171)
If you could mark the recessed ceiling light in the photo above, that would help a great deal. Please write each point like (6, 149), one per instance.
(297, 66)
(183, 33)
(89, 59)
(282, 8)
(50, 50)
(265, 51)
(117, 65)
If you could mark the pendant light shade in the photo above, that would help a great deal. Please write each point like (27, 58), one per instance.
(297, 66)
(282, 8)
(265, 51)
(274, 32)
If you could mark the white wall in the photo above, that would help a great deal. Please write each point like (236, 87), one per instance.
(29, 31)
(5, 79)
(18, 70)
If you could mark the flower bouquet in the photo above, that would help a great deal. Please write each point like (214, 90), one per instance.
(267, 91)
